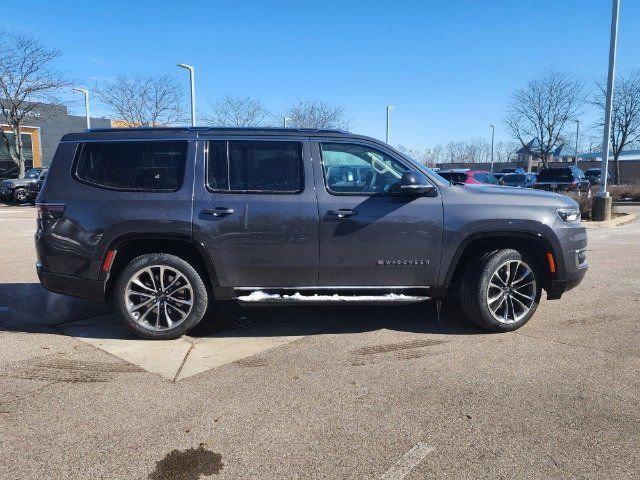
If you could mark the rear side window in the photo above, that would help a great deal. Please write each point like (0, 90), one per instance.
(150, 166)
(555, 175)
(255, 166)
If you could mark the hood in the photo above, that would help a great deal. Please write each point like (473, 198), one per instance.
(517, 196)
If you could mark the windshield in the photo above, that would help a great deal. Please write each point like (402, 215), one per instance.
(556, 175)
(513, 179)
(32, 174)
(595, 172)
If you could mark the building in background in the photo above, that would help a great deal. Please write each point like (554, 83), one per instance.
(41, 132)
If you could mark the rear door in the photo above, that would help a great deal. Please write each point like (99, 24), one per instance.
(256, 210)
(368, 235)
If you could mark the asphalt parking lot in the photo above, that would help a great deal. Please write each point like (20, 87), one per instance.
(341, 392)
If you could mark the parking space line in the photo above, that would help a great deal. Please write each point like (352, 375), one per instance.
(408, 462)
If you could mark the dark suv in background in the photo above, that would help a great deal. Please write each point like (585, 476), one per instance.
(166, 222)
(17, 189)
(563, 179)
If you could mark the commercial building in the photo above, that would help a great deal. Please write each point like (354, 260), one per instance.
(43, 128)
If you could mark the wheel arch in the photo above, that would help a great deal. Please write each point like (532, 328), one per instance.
(534, 243)
(129, 246)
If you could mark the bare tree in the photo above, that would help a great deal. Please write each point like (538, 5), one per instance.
(625, 114)
(28, 85)
(505, 151)
(317, 114)
(542, 110)
(143, 101)
(237, 112)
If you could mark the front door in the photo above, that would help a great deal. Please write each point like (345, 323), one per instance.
(256, 211)
(369, 235)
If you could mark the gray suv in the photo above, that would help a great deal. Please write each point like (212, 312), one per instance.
(167, 222)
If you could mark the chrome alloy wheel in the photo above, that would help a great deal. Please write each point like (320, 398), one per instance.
(159, 297)
(511, 292)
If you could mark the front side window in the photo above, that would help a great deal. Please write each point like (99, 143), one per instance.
(255, 166)
(359, 169)
(155, 166)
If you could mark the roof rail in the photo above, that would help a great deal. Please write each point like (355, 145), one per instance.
(223, 129)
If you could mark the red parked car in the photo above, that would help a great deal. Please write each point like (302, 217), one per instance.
(465, 175)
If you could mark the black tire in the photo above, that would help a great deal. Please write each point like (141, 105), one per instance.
(475, 291)
(20, 195)
(197, 295)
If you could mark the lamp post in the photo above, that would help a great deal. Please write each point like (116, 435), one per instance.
(193, 91)
(602, 202)
(284, 121)
(86, 105)
(577, 138)
(389, 107)
(493, 134)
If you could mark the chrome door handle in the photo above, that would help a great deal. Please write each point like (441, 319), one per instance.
(342, 213)
(218, 211)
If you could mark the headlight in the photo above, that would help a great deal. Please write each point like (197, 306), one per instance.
(569, 215)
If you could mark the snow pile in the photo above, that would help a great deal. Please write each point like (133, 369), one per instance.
(260, 296)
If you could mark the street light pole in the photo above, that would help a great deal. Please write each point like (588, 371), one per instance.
(193, 91)
(493, 134)
(602, 202)
(284, 121)
(86, 105)
(389, 107)
(577, 138)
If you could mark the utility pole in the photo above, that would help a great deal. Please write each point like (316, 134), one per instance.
(86, 105)
(389, 107)
(493, 134)
(193, 91)
(577, 138)
(284, 121)
(602, 201)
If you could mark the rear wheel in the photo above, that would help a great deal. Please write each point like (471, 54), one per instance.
(501, 290)
(161, 296)
(20, 195)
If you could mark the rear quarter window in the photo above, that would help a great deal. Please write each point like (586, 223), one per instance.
(136, 165)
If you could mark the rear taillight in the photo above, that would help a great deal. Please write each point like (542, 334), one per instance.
(48, 211)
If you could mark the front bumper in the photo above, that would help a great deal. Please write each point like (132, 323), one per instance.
(74, 286)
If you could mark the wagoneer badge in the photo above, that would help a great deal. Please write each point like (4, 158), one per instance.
(402, 262)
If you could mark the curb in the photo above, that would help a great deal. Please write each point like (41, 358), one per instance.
(614, 222)
(626, 204)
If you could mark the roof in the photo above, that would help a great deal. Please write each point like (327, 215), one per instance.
(634, 154)
(564, 150)
(191, 132)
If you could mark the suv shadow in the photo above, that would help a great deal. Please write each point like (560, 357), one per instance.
(29, 308)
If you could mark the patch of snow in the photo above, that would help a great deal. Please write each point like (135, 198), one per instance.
(260, 296)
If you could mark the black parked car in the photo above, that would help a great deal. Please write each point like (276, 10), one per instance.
(524, 180)
(16, 189)
(563, 179)
(34, 188)
(594, 175)
(169, 221)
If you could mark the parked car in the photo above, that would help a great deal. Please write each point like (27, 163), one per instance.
(468, 176)
(16, 189)
(594, 175)
(34, 188)
(524, 180)
(168, 221)
(513, 170)
(563, 179)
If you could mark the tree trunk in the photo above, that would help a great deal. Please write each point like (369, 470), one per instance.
(616, 169)
(20, 151)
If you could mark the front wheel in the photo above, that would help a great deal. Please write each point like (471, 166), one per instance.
(501, 290)
(161, 296)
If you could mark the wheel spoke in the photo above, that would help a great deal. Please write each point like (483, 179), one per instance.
(523, 295)
(527, 272)
(167, 317)
(520, 287)
(182, 302)
(182, 314)
(153, 280)
(162, 269)
(142, 294)
(140, 284)
(525, 308)
(175, 279)
(134, 308)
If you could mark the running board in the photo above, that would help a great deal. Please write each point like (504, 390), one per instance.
(259, 297)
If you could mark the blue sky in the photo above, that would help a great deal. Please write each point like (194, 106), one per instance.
(448, 66)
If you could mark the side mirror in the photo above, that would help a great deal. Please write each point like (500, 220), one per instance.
(416, 183)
